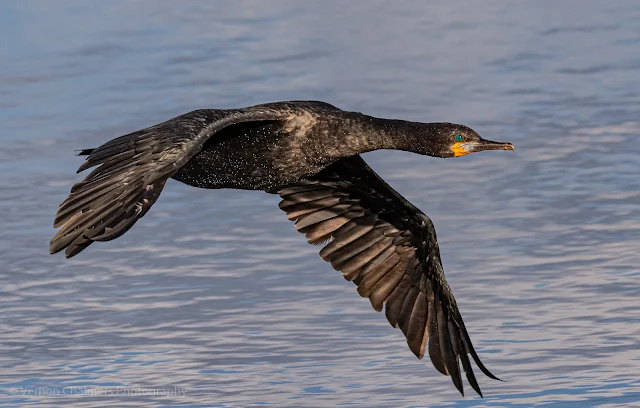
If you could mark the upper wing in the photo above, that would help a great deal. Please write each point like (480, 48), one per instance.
(389, 249)
(133, 170)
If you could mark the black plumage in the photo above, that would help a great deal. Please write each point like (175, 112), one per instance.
(309, 154)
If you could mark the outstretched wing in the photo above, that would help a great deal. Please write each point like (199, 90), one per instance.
(133, 170)
(389, 249)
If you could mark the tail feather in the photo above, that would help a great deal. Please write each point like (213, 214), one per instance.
(84, 152)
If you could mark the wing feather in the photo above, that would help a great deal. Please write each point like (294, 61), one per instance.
(131, 172)
(389, 249)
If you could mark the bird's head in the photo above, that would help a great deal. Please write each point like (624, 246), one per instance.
(453, 140)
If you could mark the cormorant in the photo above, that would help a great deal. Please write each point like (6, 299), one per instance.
(309, 153)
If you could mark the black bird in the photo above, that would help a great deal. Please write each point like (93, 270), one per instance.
(309, 153)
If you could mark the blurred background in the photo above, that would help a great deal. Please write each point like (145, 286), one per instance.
(203, 295)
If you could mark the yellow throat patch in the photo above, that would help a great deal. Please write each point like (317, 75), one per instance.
(458, 150)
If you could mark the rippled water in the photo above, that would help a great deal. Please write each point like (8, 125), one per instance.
(215, 295)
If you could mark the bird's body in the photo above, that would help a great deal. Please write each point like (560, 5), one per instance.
(304, 138)
(308, 153)
(265, 155)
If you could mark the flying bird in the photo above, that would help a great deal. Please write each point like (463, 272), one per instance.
(308, 152)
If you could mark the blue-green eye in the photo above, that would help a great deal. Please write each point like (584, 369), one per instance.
(458, 138)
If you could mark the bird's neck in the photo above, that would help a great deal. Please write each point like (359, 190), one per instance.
(357, 133)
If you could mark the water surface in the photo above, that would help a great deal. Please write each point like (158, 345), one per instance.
(213, 293)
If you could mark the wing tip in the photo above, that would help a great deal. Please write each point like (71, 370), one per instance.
(458, 384)
(482, 367)
(54, 246)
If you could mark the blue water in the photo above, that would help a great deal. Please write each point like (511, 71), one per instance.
(214, 300)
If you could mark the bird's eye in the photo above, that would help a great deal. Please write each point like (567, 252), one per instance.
(458, 138)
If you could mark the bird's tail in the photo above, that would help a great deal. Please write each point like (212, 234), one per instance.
(84, 152)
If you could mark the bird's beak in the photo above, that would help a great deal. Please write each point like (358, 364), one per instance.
(463, 148)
